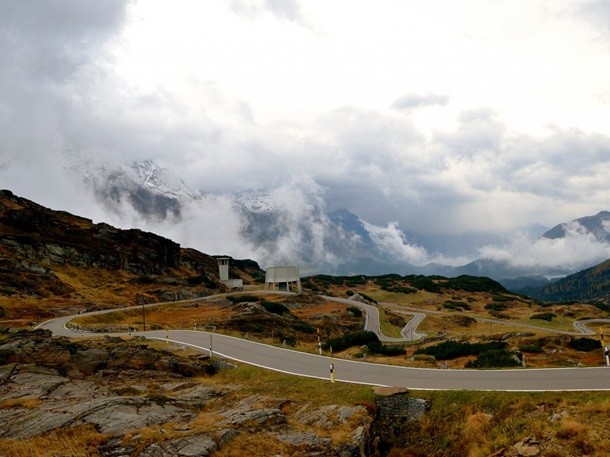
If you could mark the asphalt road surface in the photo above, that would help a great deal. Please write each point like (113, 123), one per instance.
(315, 366)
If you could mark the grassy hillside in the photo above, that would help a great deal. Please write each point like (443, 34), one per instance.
(53, 262)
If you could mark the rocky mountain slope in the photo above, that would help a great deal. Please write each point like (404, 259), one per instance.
(52, 259)
(598, 226)
(292, 225)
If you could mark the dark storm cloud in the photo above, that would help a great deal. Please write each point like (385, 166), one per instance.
(43, 46)
(411, 101)
(49, 40)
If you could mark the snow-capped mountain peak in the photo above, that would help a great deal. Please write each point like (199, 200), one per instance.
(160, 180)
(255, 202)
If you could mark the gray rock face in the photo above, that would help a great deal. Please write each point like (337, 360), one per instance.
(402, 406)
(247, 411)
(328, 417)
(140, 387)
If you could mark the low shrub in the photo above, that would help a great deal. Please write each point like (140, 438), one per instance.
(453, 349)
(495, 358)
(367, 298)
(544, 316)
(496, 306)
(304, 327)
(398, 289)
(351, 339)
(243, 298)
(531, 348)
(464, 321)
(194, 280)
(357, 312)
(376, 347)
(584, 344)
(423, 283)
(275, 308)
(456, 305)
(499, 315)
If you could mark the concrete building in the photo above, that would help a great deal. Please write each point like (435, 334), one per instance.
(283, 278)
(223, 274)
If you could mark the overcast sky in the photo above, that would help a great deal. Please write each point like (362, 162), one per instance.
(443, 116)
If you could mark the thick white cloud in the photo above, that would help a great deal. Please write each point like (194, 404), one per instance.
(487, 117)
(579, 249)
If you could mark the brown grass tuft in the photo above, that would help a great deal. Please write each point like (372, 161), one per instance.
(80, 441)
(570, 429)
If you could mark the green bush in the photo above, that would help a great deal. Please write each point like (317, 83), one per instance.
(194, 280)
(366, 297)
(456, 305)
(357, 312)
(424, 283)
(496, 306)
(377, 348)
(532, 348)
(355, 281)
(304, 327)
(349, 293)
(544, 316)
(584, 344)
(474, 284)
(275, 308)
(495, 358)
(243, 298)
(464, 321)
(348, 340)
(145, 279)
(453, 349)
(498, 298)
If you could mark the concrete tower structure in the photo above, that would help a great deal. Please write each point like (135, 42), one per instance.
(276, 277)
(223, 268)
(223, 274)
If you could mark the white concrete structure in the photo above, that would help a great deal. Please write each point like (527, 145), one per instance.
(223, 274)
(223, 268)
(276, 277)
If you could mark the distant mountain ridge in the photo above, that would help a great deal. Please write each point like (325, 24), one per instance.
(305, 232)
(597, 225)
(592, 284)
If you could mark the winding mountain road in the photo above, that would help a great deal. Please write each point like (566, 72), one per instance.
(316, 366)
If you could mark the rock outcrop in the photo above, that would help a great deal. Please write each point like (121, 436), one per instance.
(147, 402)
(52, 256)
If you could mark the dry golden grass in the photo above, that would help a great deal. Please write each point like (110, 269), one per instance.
(327, 308)
(82, 441)
(570, 429)
(317, 392)
(23, 402)
(255, 444)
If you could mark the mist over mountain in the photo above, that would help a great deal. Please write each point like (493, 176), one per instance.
(598, 226)
(292, 223)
